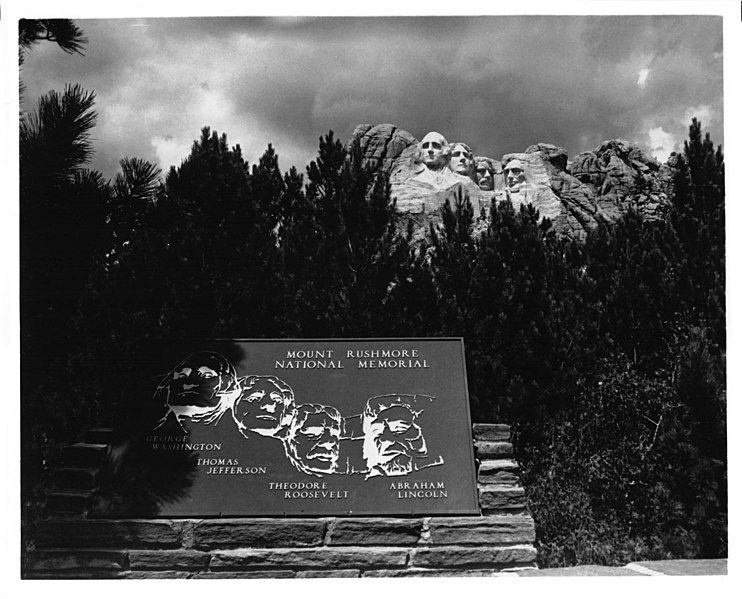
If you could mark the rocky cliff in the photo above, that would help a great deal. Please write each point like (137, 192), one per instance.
(577, 195)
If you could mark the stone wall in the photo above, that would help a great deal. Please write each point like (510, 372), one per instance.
(67, 544)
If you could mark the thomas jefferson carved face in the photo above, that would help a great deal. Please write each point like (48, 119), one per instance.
(265, 406)
(515, 175)
(462, 159)
(434, 150)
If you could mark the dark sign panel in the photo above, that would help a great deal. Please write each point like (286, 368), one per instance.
(300, 427)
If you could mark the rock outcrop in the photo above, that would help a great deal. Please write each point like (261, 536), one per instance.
(382, 145)
(577, 195)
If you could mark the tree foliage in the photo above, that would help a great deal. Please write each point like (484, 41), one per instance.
(64, 32)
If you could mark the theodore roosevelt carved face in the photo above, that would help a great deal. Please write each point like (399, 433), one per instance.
(485, 176)
(313, 442)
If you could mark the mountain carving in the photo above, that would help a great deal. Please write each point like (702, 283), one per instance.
(595, 187)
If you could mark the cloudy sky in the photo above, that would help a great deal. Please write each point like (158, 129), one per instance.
(499, 83)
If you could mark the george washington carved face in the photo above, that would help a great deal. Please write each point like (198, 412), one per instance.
(199, 389)
(434, 150)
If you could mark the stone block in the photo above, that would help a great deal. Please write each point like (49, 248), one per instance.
(84, 455)
(75, 478)
(259, 532)
(375, 531)
(456, 557)
(155, 574)
(491, 432)
(430, 573)
(68, 575)
(497, 497)
(87, 560)
(67, 502)
(320, 558)
(500, 529)
(501, 465)
(499, 478)
(485, 450)
(503, 471)
(99, 436)
(105, 533)
(329, 574)
(179, 559)
(244, 574)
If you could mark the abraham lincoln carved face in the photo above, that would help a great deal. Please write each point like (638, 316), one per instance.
(393, 440)
(515, 175)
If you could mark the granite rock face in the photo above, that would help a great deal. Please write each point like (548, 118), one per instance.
(382, 145)
(577, 195)
(395, 152)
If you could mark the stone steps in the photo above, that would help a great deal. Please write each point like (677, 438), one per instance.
(75, 478)
(75, 481)
(99, 436)
(86, 455)
(65, 502)
(491, 450)
(498, 472)
(491, 432)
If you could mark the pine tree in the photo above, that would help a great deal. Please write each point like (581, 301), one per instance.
(63, 234)
(698, 218)
(338, 245)
(633, 266)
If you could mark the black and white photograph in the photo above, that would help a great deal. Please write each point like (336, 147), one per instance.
(391, 293)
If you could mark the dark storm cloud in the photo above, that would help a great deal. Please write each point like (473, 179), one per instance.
(497, 83)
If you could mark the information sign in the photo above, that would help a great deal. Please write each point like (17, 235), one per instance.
(299, 427)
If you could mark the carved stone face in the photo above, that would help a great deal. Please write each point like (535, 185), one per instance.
(462, 159)
(515, 175)
(314, 438)
(393, 440)
(264, 407)
(195, 384)
(200, 388)
(485, 178)
(433, 150)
